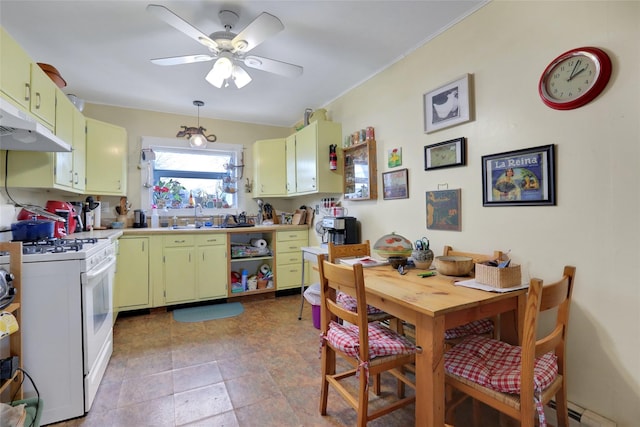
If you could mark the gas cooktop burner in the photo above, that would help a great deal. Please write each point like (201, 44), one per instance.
(55, 245)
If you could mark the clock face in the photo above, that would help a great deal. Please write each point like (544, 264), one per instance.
(575, 78)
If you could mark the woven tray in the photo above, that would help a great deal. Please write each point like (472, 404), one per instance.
(498, 277)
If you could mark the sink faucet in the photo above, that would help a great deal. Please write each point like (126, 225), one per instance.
(198, 223)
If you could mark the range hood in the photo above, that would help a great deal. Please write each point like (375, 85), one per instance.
(21, 132)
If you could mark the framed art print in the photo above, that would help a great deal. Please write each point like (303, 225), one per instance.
(519, 178)
(445, 154)
(447, 105)
(395, 185)
(443, 210)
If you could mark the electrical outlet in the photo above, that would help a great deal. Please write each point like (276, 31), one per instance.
(317, 209)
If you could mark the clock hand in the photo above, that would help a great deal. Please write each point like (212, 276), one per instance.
(574, 69)
(570, 78)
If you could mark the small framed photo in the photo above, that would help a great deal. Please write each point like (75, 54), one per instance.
(447, 105)
(519, 178)
(445, 154)
(395, 184)
(394, 157)
(443, 210)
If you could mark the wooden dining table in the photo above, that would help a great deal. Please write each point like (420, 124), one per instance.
(434, 304)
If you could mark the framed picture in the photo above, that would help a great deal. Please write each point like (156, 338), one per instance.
(447, 105)
(445, 154)
(443, 210)
(395, 185)
(520, 178)
(394, 157)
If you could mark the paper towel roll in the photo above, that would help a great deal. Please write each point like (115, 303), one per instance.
(259, 243)
(265, 269)
(97, 215)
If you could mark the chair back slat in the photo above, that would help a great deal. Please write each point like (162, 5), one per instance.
(357, 250)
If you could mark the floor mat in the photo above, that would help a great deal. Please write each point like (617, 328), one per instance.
(207, 312)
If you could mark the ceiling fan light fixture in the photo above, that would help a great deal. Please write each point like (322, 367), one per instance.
(240, 77)
(223, 66)
(206, 41)
(241, 45)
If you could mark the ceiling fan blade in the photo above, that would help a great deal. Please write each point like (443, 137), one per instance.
(272, 66)
(260, 29)
(177, 60)
(181, 25)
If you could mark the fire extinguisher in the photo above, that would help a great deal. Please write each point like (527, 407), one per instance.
(333, 157)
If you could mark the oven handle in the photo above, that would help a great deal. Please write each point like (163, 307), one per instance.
(106, 265)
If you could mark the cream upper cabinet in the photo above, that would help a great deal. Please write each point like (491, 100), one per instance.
(106, 167)
(313, 174)
(270, 167)
(62, 171)
(23, 82)
(15, 71)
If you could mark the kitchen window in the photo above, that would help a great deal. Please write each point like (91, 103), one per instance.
(184, 178)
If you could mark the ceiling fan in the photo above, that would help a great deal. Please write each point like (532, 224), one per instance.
(228, 49)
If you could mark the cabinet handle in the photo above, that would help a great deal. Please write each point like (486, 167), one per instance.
(71, 176)
(27, 92)
(38, 100)
(189, 258)
(203, 256)
(76, 174)
(143, 246)
(179, 241)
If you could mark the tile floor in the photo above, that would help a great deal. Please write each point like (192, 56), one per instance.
(260, 368)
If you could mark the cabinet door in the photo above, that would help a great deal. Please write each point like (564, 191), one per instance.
(106, 158)
(306, 160)
(132, 273)
(64, 130)
(79, 150)
(179, 274)
(43, 96)
(290, 148)
(15, 70)
(212, 271)
(270, 168)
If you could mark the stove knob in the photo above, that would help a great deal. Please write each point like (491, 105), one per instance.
(8, 277)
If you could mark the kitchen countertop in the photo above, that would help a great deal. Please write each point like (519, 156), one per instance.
(209, 230)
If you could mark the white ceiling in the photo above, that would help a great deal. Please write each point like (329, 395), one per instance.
(102, 49)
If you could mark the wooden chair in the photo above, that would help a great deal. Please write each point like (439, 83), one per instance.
(359, 250)
(370, 348)
(523, 392)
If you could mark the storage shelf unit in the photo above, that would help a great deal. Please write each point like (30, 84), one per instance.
(12, 387)
(252, 264)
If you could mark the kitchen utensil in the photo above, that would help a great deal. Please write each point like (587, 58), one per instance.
(422, 244)
(32, 230)
(454, 265)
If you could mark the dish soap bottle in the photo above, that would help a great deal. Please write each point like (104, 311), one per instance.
(192, 203)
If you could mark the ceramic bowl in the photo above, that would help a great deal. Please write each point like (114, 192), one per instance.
(397, 261)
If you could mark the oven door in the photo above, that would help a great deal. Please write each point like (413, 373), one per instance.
(97, 310)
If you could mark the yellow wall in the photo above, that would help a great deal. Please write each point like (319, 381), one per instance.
(506, 46)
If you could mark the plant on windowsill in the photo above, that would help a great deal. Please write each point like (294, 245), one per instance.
(168, 194)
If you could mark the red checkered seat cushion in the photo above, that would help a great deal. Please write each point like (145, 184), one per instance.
(496, 365)
(382, 340)
(350, 303)
(477, 327)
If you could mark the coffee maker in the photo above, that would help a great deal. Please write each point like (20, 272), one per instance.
(340, 230)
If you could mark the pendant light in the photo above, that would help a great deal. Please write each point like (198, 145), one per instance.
(196, 136)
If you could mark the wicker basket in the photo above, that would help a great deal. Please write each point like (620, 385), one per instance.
(498, 277)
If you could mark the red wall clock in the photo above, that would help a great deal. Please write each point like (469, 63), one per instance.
(575, 78)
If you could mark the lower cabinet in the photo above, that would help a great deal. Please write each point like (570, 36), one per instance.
(289, 258)
(132, 274)
(194, 267)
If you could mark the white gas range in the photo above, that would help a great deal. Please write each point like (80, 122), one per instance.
(67, 319)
